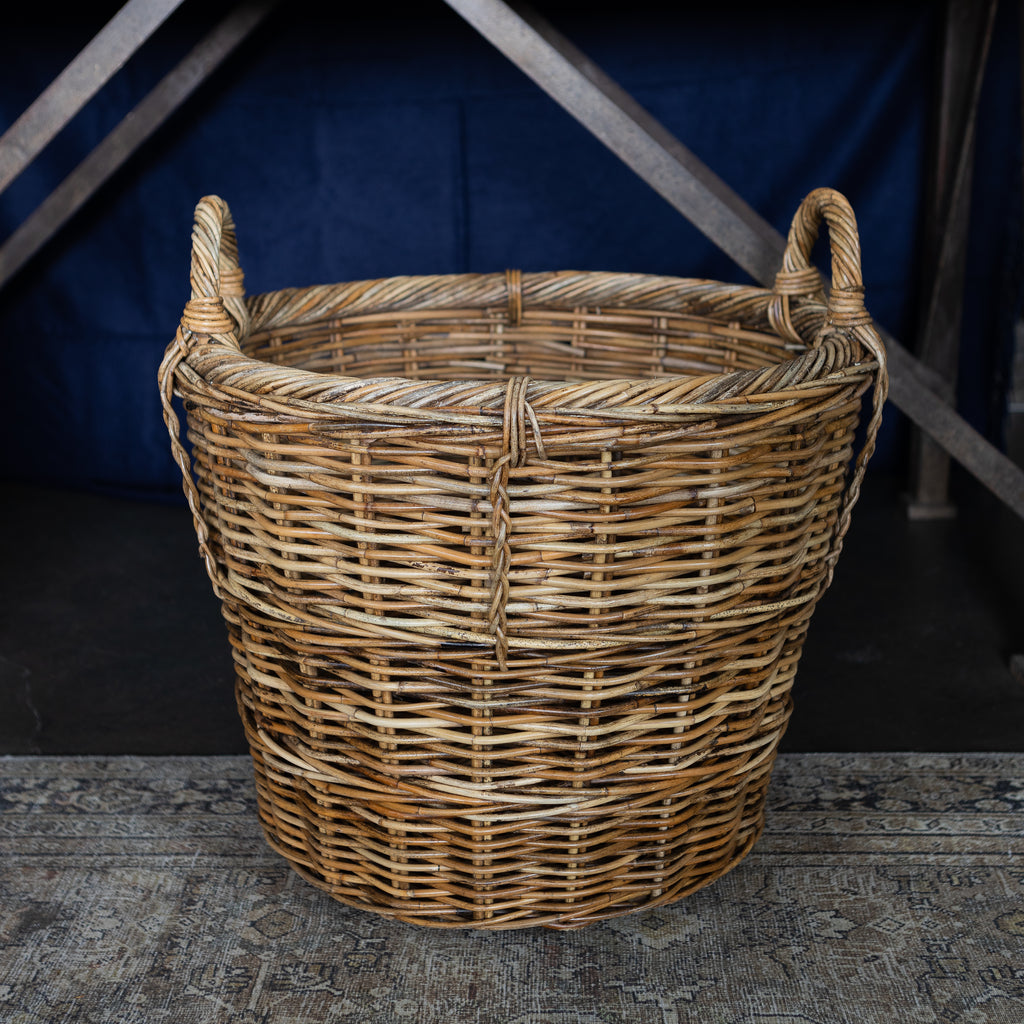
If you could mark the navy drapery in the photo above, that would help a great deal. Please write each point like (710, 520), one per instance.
(396, 141)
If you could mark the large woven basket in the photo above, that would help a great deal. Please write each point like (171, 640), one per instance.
(516, 567)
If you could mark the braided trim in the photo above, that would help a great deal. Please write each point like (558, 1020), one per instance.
(514, 454)
(176, 352)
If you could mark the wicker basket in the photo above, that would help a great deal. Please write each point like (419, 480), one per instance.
(517, 568)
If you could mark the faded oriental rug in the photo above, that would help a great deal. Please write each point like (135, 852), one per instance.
(887, 889)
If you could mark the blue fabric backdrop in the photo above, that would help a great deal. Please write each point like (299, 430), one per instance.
(396, 141)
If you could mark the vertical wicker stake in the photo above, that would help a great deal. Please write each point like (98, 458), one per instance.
(517, 568)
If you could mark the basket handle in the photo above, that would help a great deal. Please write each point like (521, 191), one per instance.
(216, 312)
(799, 278)
(845, 313)
(217, 307)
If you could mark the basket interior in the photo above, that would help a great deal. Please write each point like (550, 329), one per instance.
(546, 344)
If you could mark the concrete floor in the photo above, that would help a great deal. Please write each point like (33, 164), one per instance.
(111, 641)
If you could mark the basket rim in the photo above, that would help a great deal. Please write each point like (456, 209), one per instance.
(827, 360)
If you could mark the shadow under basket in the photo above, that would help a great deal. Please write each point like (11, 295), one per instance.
(517, 568)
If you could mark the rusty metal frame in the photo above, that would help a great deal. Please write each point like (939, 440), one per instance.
(59, 103)
(130, 27)
(574, 82)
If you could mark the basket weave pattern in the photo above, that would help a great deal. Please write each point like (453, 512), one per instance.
(517, 568)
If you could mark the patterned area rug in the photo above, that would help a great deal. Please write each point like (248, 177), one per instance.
(886, 888)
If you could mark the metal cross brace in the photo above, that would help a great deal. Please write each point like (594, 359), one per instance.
(72, 89)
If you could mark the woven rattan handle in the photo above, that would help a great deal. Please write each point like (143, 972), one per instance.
(216, 312)
(799, 278)
(845, 313)
(217, 307)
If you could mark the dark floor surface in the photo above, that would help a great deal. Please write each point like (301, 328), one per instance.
(111, 641)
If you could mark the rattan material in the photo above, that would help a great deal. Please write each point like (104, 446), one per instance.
(517, 568)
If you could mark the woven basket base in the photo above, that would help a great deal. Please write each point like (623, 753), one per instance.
(435, 869)
(571, 918)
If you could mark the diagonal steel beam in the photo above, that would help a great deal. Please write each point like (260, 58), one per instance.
(79, 82)
(644, 145)
(137, 126)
